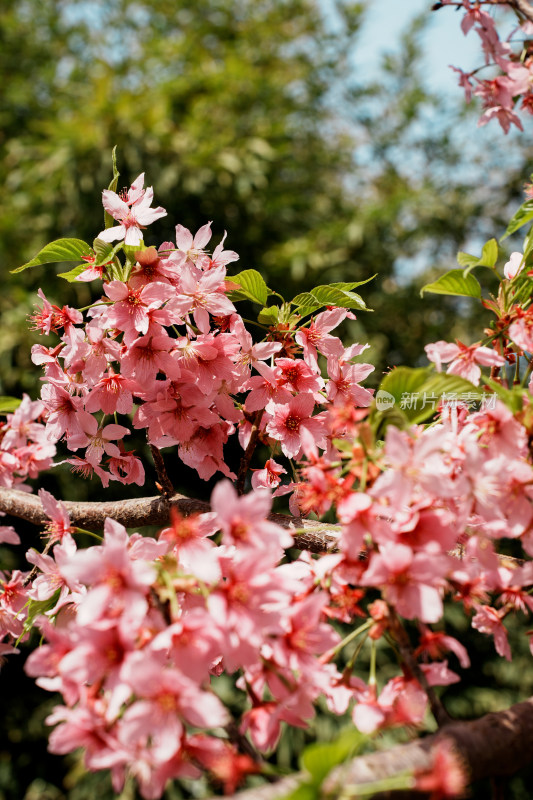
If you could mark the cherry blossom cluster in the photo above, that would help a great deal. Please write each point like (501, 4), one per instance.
(139, 630)
(25, 448)
(143, 626)
(25, 451)
(510, 89)
(510, 338)
(167, 341)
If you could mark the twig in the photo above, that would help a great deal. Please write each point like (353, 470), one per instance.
(521, 6)
(165, 484)
(248, 453)
(35, 569)
(406, 651)
(245, 746)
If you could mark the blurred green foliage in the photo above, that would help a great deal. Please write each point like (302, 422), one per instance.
(252, 117)
(249, 114)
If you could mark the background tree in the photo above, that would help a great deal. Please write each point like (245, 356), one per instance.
(252, 119)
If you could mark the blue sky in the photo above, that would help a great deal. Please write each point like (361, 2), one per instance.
(444, 42)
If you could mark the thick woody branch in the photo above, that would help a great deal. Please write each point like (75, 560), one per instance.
(498, 744)
(135, 513)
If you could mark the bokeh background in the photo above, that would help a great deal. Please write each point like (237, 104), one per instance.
(326, 137)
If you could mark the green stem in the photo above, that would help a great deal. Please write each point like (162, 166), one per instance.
(364, 472)
(172, 599)
(372, 677)
(89, 533)
(351, 663)
(94, 305)
(257, 324)
(527, 373)
(351, 636)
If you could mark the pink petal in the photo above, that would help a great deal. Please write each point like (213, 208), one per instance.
(183, 238)
(202, 236)
(114, 205)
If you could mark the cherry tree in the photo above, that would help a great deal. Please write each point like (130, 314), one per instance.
(402, 502)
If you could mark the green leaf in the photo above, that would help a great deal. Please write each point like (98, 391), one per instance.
(305, 299)
(488, 258)
(397, 383)
(528, 245)
(320, 296)
(72, 274)
(513, 398)
(9, 404)
(440, 385)
(347, 287)
(454, 282)
(522, 216)
(305, 791)
(109, 221)
(318, 759)
(268, 316)
(60, 250)
(412, 396)
(489, 254)
(252, 287)
(331, 296)
(304, 311)
(35, 608)
(105, 252)
(466, 260)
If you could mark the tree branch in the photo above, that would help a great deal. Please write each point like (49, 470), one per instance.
(165, 484)
(309, 534)
(247, 457)
(399, 634)
(495, 745)
(524, 7)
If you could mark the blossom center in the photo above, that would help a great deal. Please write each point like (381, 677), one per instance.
(292, 422)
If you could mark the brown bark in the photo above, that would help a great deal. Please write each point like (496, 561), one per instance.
(311, 535)
(524, 7)
(498, 744)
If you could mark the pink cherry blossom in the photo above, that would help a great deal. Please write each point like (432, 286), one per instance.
(465, 360)
(202, 296)
(242, 519)
(287, 420)
(134, 213)
(52, 318)
(269, 476)
(410, 580)
(191, 248)
(521, 330)
(98, 440)
(513, 266)
(317, 336)
(59, 524)
(489, 620)
(131, 307)
(112, 393)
